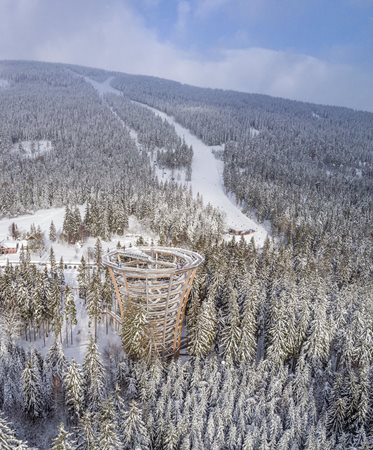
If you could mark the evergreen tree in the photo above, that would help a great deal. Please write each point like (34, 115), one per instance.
(98, 254)
(70, 313)
(108, 438)
(134, 331)
(8, 441)
(134, 431)
(94, 376)
(63, 440)
(83, 278)
(32, 390)
(52, 232)
(94, 301)
(204, 330)
(74, 388)
(88, 433)
(231, 331)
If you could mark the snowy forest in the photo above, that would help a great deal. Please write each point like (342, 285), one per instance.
(280, 337)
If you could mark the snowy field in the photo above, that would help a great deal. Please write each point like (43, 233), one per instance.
(70, 253)
(31, 149)
(207, 173)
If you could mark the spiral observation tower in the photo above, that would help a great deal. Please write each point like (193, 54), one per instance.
(158, 279)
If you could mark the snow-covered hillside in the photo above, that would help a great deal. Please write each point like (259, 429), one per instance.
(207, 171)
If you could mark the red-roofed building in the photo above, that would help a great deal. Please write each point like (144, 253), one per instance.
(8, 247)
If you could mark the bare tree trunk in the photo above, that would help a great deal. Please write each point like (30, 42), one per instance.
(95, 328)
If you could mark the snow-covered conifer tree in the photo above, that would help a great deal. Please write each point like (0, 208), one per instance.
(63, 440)
(8, 441)
(74, 387)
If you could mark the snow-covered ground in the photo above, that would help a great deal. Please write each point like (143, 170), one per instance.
(254, 132)
(207, 173)
(207, 179)
(3, 83)
(32, 149)
(70, 253)
(104, 87)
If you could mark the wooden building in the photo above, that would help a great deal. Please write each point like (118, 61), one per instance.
(8, 247)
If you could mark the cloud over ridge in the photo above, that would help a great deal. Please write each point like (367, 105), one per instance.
(114, 36)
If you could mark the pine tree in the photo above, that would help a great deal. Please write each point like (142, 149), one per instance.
(55, 360)
(74, 397)
(94, 301)
(68, 226)
(107, 295)
(55, 363)
(76, 225)
(83, 278)
(204, 330)
(70, 313)
(88, 433)
(134, 432)
(134, 331)
(60, 271)
(52, 262)
(98, 254)
(52, 232)
(32, 389)
(231, 332)
(317, 345)
(248, 342)
(94, 376)
(8, 441)
(63, 440)
(108, 438)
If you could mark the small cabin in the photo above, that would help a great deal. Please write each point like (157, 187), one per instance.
(234, 232)
(8, 247)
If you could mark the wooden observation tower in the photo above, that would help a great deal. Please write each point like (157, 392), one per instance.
(158, 279)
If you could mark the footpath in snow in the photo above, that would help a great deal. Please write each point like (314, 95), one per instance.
(207, 173)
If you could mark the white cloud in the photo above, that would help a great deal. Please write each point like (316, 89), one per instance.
(116, 38)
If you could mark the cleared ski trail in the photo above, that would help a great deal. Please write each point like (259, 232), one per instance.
(207, 173)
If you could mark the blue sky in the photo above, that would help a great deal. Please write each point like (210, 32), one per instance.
(311, 50)
(338, 30)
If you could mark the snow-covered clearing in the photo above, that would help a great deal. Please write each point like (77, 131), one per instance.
(103, 88)
(71, 254)
(254, 132)
(4, 83)
(31, 149)
(207, 172)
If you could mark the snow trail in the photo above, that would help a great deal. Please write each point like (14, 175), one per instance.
(207, 173)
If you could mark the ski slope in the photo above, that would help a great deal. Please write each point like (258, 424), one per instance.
(207, 174)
